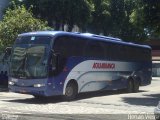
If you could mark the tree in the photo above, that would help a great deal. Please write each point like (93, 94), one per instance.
(152, 17)
(137, 22)
(70, 12)
(131, 20)
(127, 20)
(101, 17)
(77, 12)
(61, 12)
(16, 21)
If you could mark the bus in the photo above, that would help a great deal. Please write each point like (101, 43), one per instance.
(50, 63)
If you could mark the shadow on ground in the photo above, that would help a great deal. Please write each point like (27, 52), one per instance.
(58, 99)
(145, 100)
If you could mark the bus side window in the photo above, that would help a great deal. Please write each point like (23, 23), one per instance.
(106, 48)
(94, 49)
(60, 46)
(113, 52)
(78, 45)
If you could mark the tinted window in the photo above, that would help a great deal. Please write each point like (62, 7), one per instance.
(69, 46)
(94, 49)
(126, 53)
(33, 40)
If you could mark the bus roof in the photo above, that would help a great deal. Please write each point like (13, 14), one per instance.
(84, 35)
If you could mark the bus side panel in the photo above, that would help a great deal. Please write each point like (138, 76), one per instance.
(94, 81)
(93, 75)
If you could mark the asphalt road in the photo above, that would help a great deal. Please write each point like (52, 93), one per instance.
(108, 105)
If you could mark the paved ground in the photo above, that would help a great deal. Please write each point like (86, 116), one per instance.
(110, 105)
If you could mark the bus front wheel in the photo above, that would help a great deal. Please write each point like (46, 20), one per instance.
(38, 97)
(71, 91)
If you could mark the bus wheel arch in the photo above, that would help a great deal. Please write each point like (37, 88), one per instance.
(71, 90)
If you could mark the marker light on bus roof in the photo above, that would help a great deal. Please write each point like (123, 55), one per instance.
(33, 38)
(101, 36)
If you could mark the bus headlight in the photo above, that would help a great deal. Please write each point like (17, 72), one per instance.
(39, 85)
(11, 83)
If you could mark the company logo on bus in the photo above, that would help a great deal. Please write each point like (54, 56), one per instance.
(103, 66)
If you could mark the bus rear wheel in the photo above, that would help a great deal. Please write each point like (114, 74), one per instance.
(130, 85)
(136, 86)
(71, 91)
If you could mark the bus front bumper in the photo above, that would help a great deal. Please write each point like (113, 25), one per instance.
(28, 90)
(40, 87)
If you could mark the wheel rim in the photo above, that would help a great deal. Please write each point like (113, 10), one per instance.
(130, 86)
(136, 87)
(69, 91)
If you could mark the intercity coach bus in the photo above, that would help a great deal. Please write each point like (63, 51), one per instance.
(49, 63)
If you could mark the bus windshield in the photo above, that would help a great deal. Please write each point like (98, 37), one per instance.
(29, 61)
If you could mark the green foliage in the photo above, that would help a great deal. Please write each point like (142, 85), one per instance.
(77, 12)
(127, 20)
(61, 12)
(122, 18)
(152, 17)
(16, 21)
(101, 17)
(131, 20)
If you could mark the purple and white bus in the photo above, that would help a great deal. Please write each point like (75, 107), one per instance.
(50, 63)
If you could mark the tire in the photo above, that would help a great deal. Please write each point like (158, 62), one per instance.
(136, 86)
(129, 88)
(39, 97)
(71, 91)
